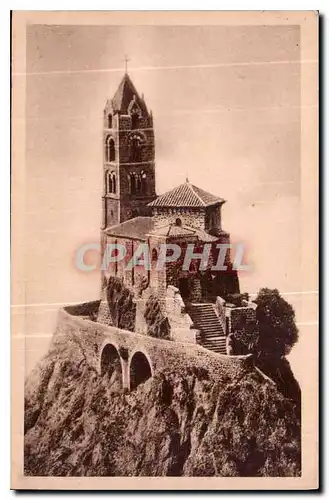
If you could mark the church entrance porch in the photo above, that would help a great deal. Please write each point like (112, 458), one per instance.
(190, 289)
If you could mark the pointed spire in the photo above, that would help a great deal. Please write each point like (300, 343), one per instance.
(187, 178)
(125, 94)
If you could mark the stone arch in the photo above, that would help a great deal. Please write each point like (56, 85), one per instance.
(136, 141)
(111, 363)
(140, 368)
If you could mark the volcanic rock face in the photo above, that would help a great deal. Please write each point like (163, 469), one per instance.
(79, 423)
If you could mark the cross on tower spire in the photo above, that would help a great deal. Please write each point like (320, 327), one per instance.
(126, 63)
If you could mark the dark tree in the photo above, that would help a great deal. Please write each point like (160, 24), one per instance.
(277, 328)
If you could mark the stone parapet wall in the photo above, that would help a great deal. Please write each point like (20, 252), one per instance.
(235, 314)
(180, 322)
(184, 335)
(91, 337)
(220, 310)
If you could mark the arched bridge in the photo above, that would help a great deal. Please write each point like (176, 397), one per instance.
(138, 357)
(135, 367)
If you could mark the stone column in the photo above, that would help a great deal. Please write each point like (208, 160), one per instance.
(125, 374)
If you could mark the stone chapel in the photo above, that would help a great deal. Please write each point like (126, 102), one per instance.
(132, 213)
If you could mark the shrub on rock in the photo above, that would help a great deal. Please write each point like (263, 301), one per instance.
(121, 304)
(157, 323)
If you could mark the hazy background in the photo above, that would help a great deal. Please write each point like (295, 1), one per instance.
(226, 107)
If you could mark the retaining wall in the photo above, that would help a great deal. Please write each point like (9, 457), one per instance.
(72, 326)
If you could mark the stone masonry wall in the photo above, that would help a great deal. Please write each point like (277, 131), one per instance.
(195, 289)
(111, 211)
(131, 277)
(147, 149)
(163, 354)
(189, 217)
(235, 314)
(180, 322)
(213, 223)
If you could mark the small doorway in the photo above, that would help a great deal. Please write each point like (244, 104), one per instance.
(184, 288)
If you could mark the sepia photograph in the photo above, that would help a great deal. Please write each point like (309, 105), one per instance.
(165, 250)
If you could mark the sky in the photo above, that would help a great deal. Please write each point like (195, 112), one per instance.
(226, 108)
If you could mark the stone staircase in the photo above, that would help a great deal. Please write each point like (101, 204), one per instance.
(205, 319)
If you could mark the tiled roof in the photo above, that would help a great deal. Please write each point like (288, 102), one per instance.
(125, 94)
(141, 227)
(186, 195)
(133, 228)
(174, 230)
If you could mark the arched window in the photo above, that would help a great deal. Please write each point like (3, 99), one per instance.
(111, 183)
(135, 148)
(114, 183)
(143, 182)
(135, 113)
(137, 183)
(133, 183)
(178, 222)
(109, 121)
(134, 120)
(110, 149)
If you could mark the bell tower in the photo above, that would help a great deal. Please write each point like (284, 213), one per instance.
(128, 156)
